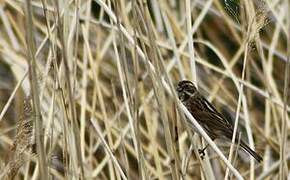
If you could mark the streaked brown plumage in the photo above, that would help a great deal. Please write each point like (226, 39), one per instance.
(207, 116)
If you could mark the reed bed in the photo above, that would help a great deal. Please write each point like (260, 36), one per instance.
(88, 88)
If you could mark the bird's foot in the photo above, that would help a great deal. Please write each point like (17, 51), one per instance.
(201, 153)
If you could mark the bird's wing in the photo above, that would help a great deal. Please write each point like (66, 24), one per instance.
(212, 121)
(212, 110)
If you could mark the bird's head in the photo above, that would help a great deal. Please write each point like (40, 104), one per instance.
(185, 89)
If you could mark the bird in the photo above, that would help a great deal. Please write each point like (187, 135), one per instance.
(213, 122)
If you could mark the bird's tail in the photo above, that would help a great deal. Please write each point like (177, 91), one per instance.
(250, 151)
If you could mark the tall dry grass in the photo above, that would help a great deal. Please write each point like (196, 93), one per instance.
(87, 88)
